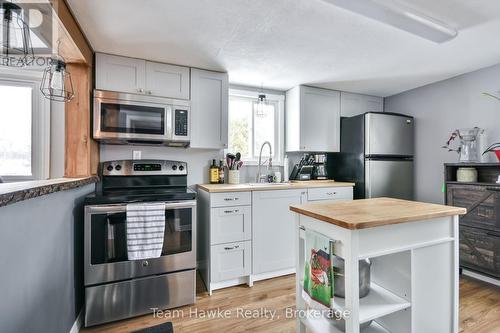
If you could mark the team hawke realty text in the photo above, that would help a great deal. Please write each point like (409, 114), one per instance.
(242, 313)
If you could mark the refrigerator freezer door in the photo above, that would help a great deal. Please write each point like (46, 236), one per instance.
(389, 178)
(388, 134)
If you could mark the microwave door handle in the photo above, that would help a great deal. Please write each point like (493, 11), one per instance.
(168, 117)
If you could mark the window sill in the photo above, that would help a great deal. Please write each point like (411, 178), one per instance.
(15, 192)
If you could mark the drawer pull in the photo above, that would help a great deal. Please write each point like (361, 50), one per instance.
(230, 199)
(331, 193)
(232, 248)
(231, 211)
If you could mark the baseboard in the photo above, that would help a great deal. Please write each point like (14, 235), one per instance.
(270, 275)
(78, 322)
(481, 277)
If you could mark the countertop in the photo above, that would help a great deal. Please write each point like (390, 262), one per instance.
(221, 188)
(15, 192)
(369, 213)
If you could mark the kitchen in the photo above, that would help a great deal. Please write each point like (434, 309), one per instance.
(308, 104)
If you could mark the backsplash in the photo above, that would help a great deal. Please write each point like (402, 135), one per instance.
(198, 160)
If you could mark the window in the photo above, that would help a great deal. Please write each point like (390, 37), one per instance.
(24, 128)
(249, 130)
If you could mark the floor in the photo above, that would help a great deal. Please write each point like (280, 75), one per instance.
(479, 310)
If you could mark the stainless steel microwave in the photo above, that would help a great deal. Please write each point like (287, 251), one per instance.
(121, 118)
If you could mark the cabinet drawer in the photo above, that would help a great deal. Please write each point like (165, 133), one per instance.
(480, 250)
(230, 199)
(329, 193)
(230, 224)
(483, 206)
(230, 261)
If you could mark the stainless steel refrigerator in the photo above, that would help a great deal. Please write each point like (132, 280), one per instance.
(376, 153)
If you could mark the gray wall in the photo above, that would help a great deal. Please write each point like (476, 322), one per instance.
(41, 260)
(440, 108)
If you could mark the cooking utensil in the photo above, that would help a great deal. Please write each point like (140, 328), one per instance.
(339, 279)
(230, 161)
(239, 165)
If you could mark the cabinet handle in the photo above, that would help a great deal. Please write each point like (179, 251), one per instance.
(149, 92)
(231, 211)
(232, 248)
(331, 193)
(228, 199)
(140, 90)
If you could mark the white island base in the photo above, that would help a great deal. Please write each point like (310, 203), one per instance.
(414, 273)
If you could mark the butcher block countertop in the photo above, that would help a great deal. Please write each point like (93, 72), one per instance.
(369, 213)
(221, 188)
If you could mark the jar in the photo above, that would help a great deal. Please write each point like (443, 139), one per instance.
(467, 175)
(233, 176)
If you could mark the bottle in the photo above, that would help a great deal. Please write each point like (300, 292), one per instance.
(221, 172)
(214, 173)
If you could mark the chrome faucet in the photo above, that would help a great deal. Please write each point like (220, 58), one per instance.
(258, 178)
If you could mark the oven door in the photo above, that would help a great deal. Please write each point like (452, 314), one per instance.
(117, 119)
(105, 254)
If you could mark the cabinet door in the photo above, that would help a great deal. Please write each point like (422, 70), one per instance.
(354, 104)
(209, 103)
(319, 120)
(480, 250)
(167, 80)
(483, 206)
(230, 261)
(120, 74)
(273, 229)
(230, 224)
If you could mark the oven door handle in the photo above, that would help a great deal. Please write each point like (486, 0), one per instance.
(111, 209)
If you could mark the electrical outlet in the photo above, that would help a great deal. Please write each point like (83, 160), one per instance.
(136, 154)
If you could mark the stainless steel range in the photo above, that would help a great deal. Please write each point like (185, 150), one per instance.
(116, 287)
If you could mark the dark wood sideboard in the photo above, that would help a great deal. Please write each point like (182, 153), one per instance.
(480, 227)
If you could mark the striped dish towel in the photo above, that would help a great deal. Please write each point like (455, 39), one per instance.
(145, 230)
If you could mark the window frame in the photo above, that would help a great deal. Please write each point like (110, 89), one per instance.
(279, 125)
(40, 122)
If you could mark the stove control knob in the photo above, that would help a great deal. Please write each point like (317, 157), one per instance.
(118, 167)
(110, 167)
(181, 167)
(174, 167)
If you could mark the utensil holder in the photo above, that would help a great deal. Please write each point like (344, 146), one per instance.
(233, 176)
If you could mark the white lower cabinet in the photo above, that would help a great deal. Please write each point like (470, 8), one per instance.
(249, 236)
(230, 261)
(273, 230)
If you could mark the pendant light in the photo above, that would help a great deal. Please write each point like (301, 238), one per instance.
(261, 104)
(56, 82)
(17, 50)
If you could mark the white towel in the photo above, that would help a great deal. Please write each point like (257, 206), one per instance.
(145, 230)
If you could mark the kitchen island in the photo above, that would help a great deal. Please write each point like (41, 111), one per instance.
(413, 249)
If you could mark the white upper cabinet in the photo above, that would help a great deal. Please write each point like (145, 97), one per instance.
(167, 80)
(120, 74)
(354, 104)
(130, 75)
(209, 106)
(312, 119)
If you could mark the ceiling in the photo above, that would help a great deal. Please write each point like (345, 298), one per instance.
(283, 43)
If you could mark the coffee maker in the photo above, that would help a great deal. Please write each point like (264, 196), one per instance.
(319, 167)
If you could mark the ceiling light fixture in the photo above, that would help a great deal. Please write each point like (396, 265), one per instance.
(56, 82)
(16, 49)
(262, 103)
(401, 17)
